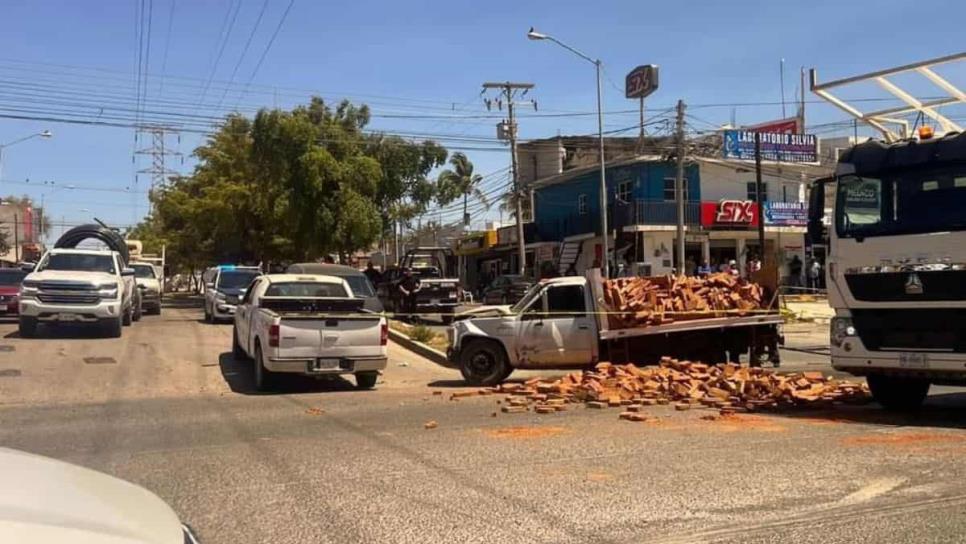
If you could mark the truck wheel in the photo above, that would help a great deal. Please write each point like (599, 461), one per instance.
(366, 380)
(112, 327)
(128, 316)
(208, 317)
(264, 378)
(898, 394)
(28, 327)
(138, 312)
(236, 349)
(484, 363)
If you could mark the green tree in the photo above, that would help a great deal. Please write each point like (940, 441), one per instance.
(460, 181)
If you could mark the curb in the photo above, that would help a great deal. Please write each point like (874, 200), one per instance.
(419, 348)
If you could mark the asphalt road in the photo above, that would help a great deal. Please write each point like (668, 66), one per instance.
(167, 407)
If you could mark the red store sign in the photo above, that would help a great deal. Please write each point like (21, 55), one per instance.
(729, 213)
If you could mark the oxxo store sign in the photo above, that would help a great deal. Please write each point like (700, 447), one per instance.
(730, 214)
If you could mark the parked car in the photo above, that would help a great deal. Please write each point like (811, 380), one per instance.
(79, 285)
(46, 500)
(10, 279)
(225, 290)
(308, 324)
(506, 289)
(149, 286)
(358, 282)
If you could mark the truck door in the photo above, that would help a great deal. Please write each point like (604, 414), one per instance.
(564, 334)
(243, 315)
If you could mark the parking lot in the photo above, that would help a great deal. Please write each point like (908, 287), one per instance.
(167, 407)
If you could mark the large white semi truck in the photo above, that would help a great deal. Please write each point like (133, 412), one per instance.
(896, 264)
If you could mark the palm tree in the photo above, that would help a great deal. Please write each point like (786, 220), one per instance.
(460, 182)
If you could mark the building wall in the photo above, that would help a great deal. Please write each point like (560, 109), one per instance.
(23, 232)
(727, 182)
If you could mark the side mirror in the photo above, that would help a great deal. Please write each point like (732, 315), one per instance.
(816, 212)
(127, 272)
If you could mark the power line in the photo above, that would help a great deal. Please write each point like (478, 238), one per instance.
(268, 47)
(167, 44)
(248, 43)
(224, 37)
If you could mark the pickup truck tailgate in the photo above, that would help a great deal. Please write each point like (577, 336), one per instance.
(310, 337)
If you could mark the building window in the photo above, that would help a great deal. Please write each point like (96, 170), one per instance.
(582, 204)
(624, 191)
(669, 189)
(753, 194)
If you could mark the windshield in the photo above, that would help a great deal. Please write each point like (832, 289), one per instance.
(143, 271)
(531, 294)
(305, 289)
(360, 286)
(80, 262)
(11, 276)
(236, 279)
(903, 203)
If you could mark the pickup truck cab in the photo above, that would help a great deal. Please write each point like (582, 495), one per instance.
(308, 324)
(561, 323)
(225, 290)
(79, 285)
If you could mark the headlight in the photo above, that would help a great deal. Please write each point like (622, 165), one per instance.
(29, 289)
(107, 291)
(841, 328)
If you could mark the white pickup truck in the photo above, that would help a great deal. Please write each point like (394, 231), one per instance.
(308, 324)
(79, 285)
(561, 323)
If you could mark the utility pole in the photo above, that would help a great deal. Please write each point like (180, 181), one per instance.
(759, 200)
(679, 187)
(508, 92)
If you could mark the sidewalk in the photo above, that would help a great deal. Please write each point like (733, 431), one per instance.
(817, 311)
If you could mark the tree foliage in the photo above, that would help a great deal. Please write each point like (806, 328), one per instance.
(460, 182)
(290, 186)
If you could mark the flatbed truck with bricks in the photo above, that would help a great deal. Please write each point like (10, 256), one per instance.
(562, 323)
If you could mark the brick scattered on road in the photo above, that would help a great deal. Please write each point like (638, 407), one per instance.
(430, 425)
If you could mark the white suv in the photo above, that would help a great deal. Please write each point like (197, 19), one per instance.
(79, 285)
(226, 289)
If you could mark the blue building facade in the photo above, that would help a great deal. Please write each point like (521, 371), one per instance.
(638, 193)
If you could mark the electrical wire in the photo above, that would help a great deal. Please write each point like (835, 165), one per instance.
(248, 43)
(268, 48)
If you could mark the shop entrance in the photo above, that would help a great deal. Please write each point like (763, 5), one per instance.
(723, 251)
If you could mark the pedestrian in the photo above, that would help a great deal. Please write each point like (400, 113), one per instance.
(704, 269)
(752, 265)
(814, 274)
(732, 268)
(373, 275)
(690, 266)
(795, 272)
(408, 286)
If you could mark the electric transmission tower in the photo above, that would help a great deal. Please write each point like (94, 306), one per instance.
(159, 152)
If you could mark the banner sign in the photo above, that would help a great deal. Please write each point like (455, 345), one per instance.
(786, 214)
(740, 145)
(740, 214)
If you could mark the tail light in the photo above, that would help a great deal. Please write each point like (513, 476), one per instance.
(384, 334)
(273, 336)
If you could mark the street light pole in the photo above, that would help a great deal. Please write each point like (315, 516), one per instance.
(44, 134)
(534, 35)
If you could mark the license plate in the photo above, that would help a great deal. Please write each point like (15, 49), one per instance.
(325, 364)
(913, 360)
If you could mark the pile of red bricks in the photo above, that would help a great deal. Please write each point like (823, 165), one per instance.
(727, 387)
(638, 302)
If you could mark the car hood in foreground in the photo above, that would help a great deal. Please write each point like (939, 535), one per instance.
(72, 275)
(45, 500)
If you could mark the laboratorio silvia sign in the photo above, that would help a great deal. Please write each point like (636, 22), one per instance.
(740, 145)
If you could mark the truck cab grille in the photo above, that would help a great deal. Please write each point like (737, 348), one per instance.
(52, 292)
(941, 329)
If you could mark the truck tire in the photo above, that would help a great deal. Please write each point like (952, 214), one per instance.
(264, 378)
(483, 362)
(128, 316)
(366, 380)
(208, 317)
(111, 238)
(113, 327)
(28, 327)
(138, 310)
(236, 350)
(898, 394)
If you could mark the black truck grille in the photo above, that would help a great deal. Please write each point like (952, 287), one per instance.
(926, 285)
(941, 329)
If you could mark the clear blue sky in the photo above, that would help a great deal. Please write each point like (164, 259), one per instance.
(412, 58)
